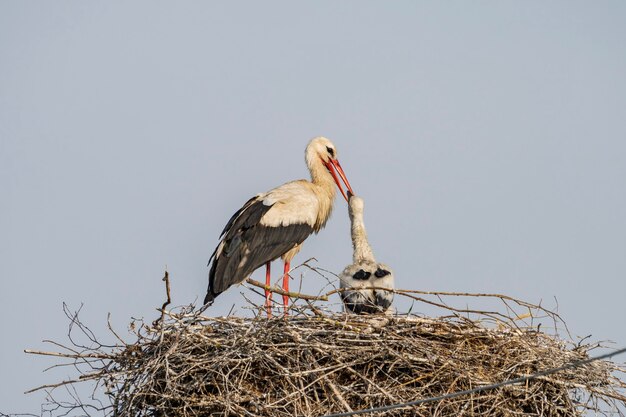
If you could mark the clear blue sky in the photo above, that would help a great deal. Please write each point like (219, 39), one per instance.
(488, 140)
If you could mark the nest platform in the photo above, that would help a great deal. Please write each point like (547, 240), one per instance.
(315, 364)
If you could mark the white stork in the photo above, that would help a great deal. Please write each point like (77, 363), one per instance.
(364, 274)
(274, 224)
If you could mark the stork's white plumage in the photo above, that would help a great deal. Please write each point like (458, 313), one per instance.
(274, 224)
(363, 280)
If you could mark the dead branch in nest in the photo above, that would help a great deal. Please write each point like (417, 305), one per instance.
(280, 291)
(167, 302)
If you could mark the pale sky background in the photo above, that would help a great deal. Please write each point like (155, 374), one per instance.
(488, 140)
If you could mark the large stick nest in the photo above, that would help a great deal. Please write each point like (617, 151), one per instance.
(314, 363)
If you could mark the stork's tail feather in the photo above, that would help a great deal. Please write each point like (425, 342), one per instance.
(209, 298)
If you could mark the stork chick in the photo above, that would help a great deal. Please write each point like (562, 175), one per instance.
(365, 276)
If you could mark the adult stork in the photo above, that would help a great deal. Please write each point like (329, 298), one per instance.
(274, 224)
(364, 279)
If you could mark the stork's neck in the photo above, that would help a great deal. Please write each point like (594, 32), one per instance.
(321, 177)
(324, 186)
(362, 249)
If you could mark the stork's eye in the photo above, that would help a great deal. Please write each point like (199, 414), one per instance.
(361, 275)
(381, 273)
(331, 151)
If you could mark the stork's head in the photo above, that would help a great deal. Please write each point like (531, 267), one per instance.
(322, 150)
(355, 205)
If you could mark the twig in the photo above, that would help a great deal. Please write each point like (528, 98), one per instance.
(287, 293)
(166, 278)
(69, 355)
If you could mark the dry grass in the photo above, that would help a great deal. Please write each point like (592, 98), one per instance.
(314, 363)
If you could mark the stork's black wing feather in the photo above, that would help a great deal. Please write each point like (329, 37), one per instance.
(383, 299)
(233, 219)
(248, 245)
(358, 302)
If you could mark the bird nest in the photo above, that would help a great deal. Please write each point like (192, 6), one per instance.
(316, 363)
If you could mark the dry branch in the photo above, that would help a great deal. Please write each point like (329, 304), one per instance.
(280, 291)
(167, 302)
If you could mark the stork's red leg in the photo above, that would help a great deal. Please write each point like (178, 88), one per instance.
(268, 293)
(286, 285)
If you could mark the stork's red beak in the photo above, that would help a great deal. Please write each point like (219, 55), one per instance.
(335, 168)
